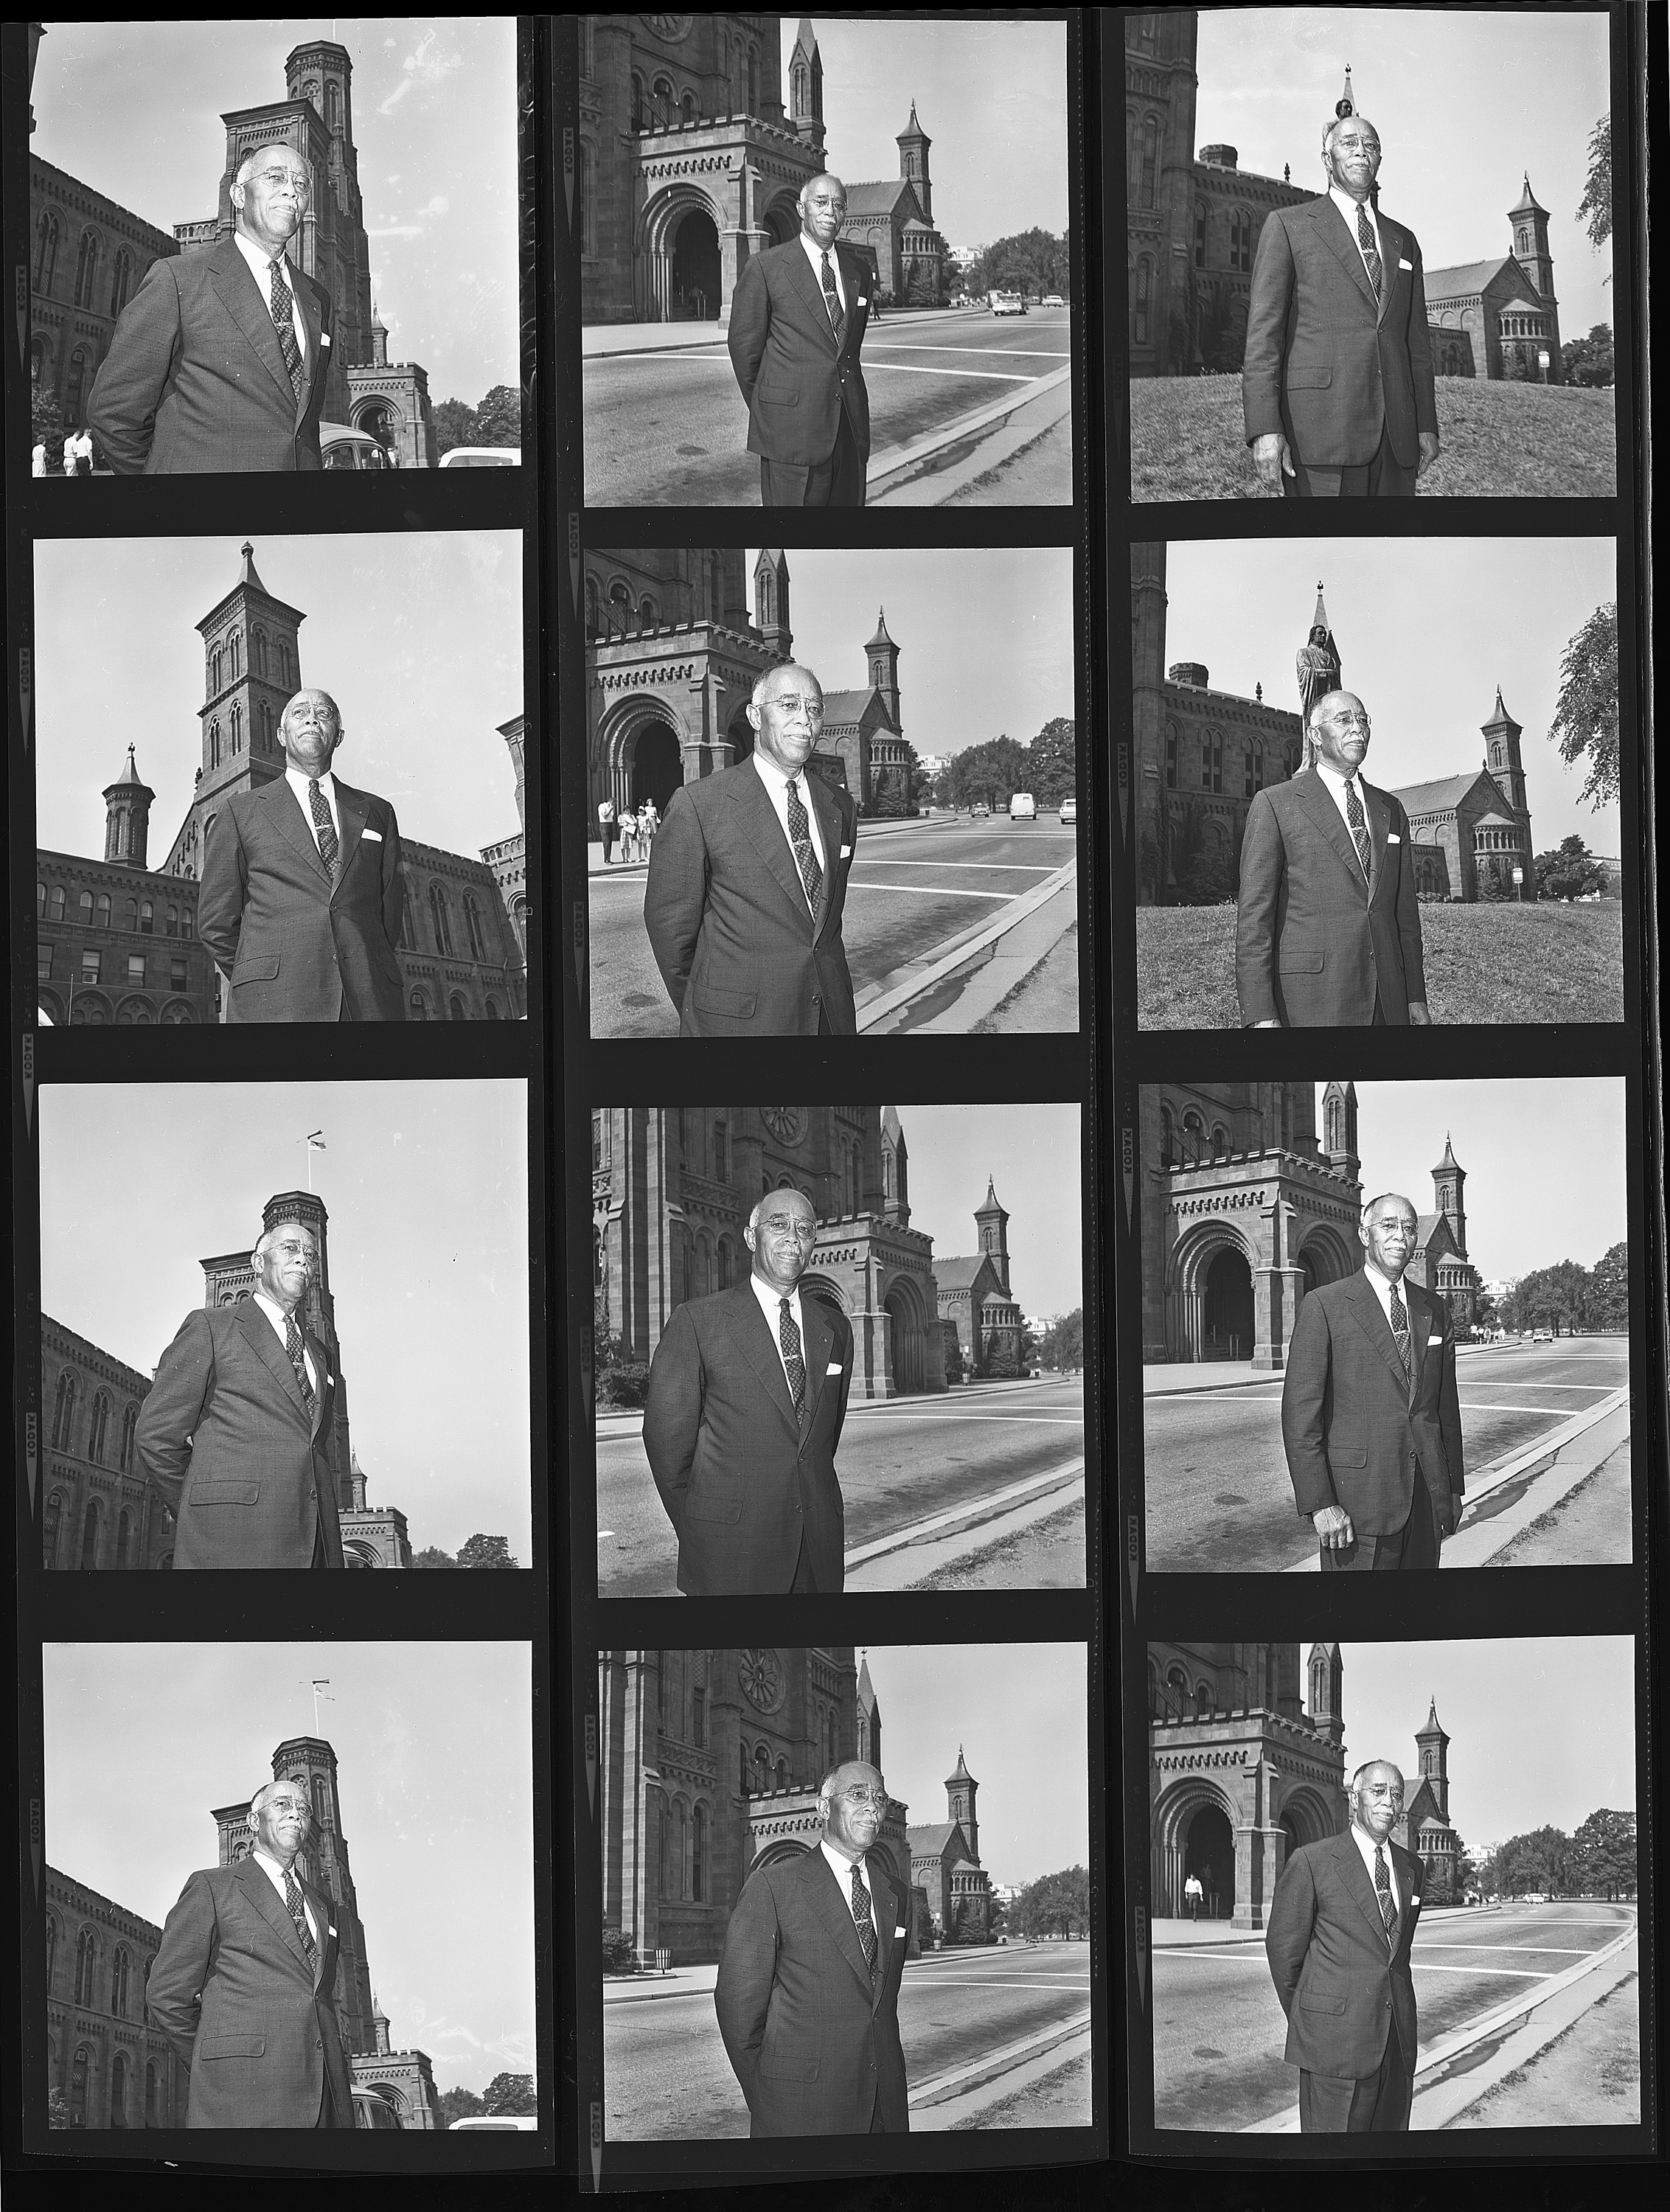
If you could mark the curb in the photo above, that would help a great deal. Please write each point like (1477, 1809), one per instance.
(940, 2087)
(957, 1519)
(895, 465)
(1269, 1375)
(890, 1003)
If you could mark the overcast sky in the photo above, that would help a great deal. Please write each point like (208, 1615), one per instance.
(418, 638)
(1017, 1712)
(1541, 1728)
(1032, 1154)
(991, 97)
(1426, 629)
(434, 1781)
(1466, 101)
(133, 110)
(985, 636)
(1544, 1161)
(425, 1191)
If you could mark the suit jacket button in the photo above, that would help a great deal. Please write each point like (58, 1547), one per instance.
(312, 1493)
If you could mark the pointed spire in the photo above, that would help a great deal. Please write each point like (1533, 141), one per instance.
(129, 775)
(992, 1204)
(960, 1773)
(1449, 1164)
(1319, 619)
(247, 574)
(881, 636)
(1346, 103)
(1527, 203)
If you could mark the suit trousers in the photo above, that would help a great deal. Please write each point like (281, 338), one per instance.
(804, 1584)
(1383, 477)
(1378, 2105)
(837, 482)
(1414, 1544)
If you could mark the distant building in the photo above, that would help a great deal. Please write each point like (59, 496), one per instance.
(1424, 1828)
(981, 1318)
(108, 2068)
(944, 1865)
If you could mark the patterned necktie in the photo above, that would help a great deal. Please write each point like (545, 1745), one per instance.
(1365, 239)
(298, 1360)
(861, 1919)
(831, 297)
(283, 321)
(1388, 1912)
(799, 835)
(326, 827)
(793, 1365)
(1400, 1330)
(299, 1914)
(1360, 827)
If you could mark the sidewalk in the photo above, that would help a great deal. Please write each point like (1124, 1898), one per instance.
(598, 341)
(1185, 1378)
(630, 1423)
(869, 830)
(977, 971)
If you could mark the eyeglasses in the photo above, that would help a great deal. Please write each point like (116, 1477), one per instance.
(822, 200)
(876, 1797)
(786, 702)
(789, 1225)
(276, 180)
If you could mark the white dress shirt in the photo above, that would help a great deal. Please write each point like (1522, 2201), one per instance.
(260, 268)
(275, 1314)
(814, 253)
(1348, 208)
(274, 1875)
(1382, 1291)
(842, 1867)
(327, 784)
(1365, 1845)
(1336, 787)
(776, 790)
(770, 1306)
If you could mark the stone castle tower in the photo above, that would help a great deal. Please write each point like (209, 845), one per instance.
(1448, 1178)
(960, 1790)
(867, 1721)
(1339, 1128)
(1433, 1745)
(992, 1222)
(1502, 734)
(771, 610)
(1327, 1711)
(914, 143)
(805, 88)
(1531, 251)
(883, 666)
(127, 817)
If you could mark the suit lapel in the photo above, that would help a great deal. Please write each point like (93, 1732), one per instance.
(1391, 256)
(310, 324)
(1357, 1880)
(834, 1908)
(322, 1368)
(285, 810)
(816, 1342)
(263, 1340)
(1377, 809)
(1308, 789)
(829, 824)
(1370, 1317)
(759, 1347)
(267, 1902)
(353, 812)
(758, 818)
(812, 291)
(240, 295)
(1419, 1310)
(1331, 225)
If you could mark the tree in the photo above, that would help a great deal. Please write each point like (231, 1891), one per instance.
(1609, 1290)
(1052, 762)
(46, 425)
(454, 425)
(1057, 1904)
(1062, 1344)
(1594, 209)
(1589, 360)
(485, 1552)
(1002, 1364)
(1586, 714)
(433, 1557)
(1034, 261)
(1603, 1854)
(513, 2093)
(459, 2105)
(499, 418)
(620, 1953)
(1571, 872)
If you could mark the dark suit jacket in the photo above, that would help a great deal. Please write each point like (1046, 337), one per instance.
(813, 2042)
(231, 1989)
(194, 380)
(1340, 1984)
(793, 375)
(230, 1449)
(297, 943)
(742, 1482)
(1313, 941)
(1322, 363)
(1352, 1427)
(740, 951)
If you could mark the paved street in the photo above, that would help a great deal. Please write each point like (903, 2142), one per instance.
(911, 891)
(665, 2074)
(1218, 1497)
(901, 1461)
(671, 429)
(1219, 2030)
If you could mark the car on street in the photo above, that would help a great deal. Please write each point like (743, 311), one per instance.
(978, 809)
(1070, 809)
(1054, 299)
(483, 457)
(502, 2123)
(340, 446)
(1007, 303)
(371, 2110)
(1023, 806)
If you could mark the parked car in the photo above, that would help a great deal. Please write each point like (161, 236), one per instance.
(1070, 809)
(1023, 806)
(483, 457)
(371, 2110)
(342, 447)
(1054, 299)
(1007, 303)
(507, 2123)
(978, 809)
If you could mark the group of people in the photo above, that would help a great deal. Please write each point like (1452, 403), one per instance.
(634, 827)
(77, 456)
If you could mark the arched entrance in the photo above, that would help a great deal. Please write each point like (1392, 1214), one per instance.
(1209, 1853)
(695, 270)
(907, 1340)
(381, 420)
(780, 221)
(658, 766)
(1228, 1308)
(741, 734)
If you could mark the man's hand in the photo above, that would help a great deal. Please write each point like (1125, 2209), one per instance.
(1429, 452)
(1418, 1015)
(1274, 461)
(1272, 1023)
(1444, 1514)
(1333, 1528)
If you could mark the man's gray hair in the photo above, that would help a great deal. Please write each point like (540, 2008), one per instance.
(756, 697)
(787, 1190)
(1368, 1766)
(267, 1235)
(1336, 122)
(828, 1783)
(1397, 1198)
(242, 175)
(295, 1782)
(312, 690)
(823, 176)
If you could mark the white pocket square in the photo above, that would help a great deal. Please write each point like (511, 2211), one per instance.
(1435, 1338)
(1406, 265)
(324, 339)
(834, 1367)
(333, 1931)
(371, 836)
(846, 852)
(898, 1935)
(1393, 838)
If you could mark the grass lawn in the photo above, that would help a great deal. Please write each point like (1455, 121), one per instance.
(1498, 440)
(1546, 963)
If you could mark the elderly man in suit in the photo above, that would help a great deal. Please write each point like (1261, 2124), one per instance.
(1336, 380)
(218, 362)
(748, 881)
(747, 1395)
(1327, 921)
(1370, 1419)
(243, 1983)
(808, 1989)
(234, 1434)
(301, 898)
(1341, 1925)
(798, 319)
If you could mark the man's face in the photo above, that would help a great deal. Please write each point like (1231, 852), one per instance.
(1341, 729)
(282, 1823)
(270, 202)
(310, 732)
(823, 211)
(853, 1822)
(781, 1239)
(789, 718)
(285, 1263)
(1378, 1801)
(1353, 157)
(1388, 1237)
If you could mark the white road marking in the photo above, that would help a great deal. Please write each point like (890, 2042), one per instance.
(986, 375)
(1023, 868)
(1021, 353)
(935, 890)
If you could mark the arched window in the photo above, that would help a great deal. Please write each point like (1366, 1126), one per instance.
(699, 1853)
(680, 1825)
(121, 281)
(1149, 177)
(87, 269)
(51, 1949)
(90, 1536)
(64, 1410)
(79, 363)
(46, 252)
(457, 1009)
(130, 917)
(647, 615)
(258, 649)
(123, 1534)
(85, 1961)
(1240, 241)
(153, 2113)
(103, 910)
(761, 1768)
(472, 922)
(321, 1802)
(640, 111)
(234, 655)
(214, 745)
(120, 1968)
(284, 663)
(80, 2067)
(780, 1776)
(237, 720)
(51, 1525)
(1142, 295)
(593, 608)
(55, 904)
(407, 927)
(417, 1008)
(1220, 1139)
(333, 105)
(147, 918)
(687, 108)
(661, 1840)
(97, 1426)
(1200, 234)
(1254, 767)
(620, 604)
(440, 921)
